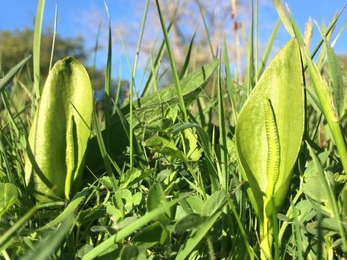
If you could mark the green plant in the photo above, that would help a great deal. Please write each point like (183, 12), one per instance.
(219, 165)
(59, 133)
(268, 137)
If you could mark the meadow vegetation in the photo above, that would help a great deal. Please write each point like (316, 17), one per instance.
(209, 167)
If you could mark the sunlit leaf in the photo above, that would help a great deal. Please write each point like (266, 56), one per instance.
(59, 133)
(281, 85)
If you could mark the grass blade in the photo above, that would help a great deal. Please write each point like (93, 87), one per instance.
(103, 152)
(173, 64)
(336, 77)
(54, 35)
(206, 29)
(47, 246)
(198, 236)
(108, 81)
(185, 66)
(331, 197)
(268, 50)
(283, 16)
(12, 73)
(37, 47)
(6, 238)
(132, 83)
(131, 228)
(155, 68)
(229, 83)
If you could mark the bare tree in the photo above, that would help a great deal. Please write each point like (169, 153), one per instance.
(221, 18)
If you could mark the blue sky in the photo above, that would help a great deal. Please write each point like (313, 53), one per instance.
(77, 17)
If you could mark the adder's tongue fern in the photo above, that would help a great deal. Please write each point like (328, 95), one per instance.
(268, 137)
(59, 133)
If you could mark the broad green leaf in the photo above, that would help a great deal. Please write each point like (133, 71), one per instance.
(123, 199)
(270, 128)
(188, 222)
(147, 111)
(191, 147)
(336, 77)
(192, 204)
(156, 199)
(148, 237)
(116, 214)
(213, 203)
(129, 252)
(137, 198)
(9, 196)
(133, 176)
(304, 211)
(59, 133)
(166, 147)
(197, 236)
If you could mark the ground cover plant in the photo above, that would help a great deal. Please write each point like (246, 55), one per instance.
(159, 177)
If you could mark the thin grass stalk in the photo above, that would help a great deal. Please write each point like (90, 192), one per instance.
(172, 64)
(128, 230)
(237, 53)
(320, 43)
(240, 224)
(119, 87)
(222, 135)
(184, 69)
(157, 61)
(132, 84)
(297, 234)
(6, 102)
(209, 162)
(124, 50)
(275, 233)
(11, 233)
(108, 75)
(206, 29)
(329, 113)
(96, 52)
(223, 159)
(54, 35)
(229, 83)
(11, 139)
(103, 151)
(37, 47)
(250, 57)
(256, 40)
(338, 34)
(12, 73)
(283, 16)
(268, 49)
(153, 72)
(6, 165)
(288, 214)
(330, 198)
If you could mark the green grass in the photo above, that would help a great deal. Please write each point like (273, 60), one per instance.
(164, 178)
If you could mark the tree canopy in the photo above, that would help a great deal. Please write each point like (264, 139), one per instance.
(16, 45)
